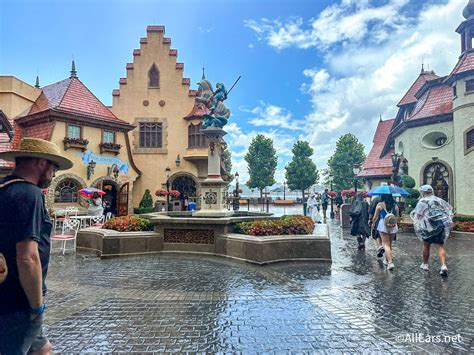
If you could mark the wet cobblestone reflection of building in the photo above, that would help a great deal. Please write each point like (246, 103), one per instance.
(195, 303)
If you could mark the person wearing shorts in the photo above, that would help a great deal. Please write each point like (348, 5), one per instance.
(384, 207)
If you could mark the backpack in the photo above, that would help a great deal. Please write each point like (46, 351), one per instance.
(3, 262)
(389, 220)
(436, 217)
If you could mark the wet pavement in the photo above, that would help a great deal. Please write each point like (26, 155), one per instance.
(186, 303)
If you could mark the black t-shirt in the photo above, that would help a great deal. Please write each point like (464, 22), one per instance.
(22, 215)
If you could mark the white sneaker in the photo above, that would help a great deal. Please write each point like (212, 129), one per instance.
(385, 262)
(444, 270)
(390, 266)
(424, 267)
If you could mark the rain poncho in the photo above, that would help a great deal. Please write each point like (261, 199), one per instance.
(313, 210)
(359, 217)
(432, 217)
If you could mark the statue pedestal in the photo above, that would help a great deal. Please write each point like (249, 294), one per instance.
(213, 189)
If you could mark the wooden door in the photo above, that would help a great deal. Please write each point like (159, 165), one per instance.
(122, 209)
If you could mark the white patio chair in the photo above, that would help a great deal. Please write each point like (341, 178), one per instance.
(58, 218)
(97, 221)
(108, 216)
(68, 232)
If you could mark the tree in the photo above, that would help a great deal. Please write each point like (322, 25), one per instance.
(147, 200)
(262, 161)
(349, 151)
(301, 173)
(227, 160)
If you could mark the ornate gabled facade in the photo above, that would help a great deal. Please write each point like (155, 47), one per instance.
(167, 140)
(434, 128)
(88, 133)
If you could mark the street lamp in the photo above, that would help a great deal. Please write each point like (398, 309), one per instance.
(331, 179)
(356, 170)
(284, 189)
(168, 173)
(236, 204)
(90, 169)
(395, 165)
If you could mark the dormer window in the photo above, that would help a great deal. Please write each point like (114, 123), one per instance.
(154, 77)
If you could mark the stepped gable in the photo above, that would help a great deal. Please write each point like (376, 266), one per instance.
(437, 100)
(71, 95)
(376, 165)
(409, 97)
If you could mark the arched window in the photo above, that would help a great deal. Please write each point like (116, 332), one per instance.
(66, 191)
(196, 138)
(154, 77)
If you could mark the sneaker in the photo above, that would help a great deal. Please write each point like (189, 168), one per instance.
(424, 267)
(390, 266)
(385, 262)
(380, 252)
(443, 271)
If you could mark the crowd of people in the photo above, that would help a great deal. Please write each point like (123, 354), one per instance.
(379, 220)
(432, 221)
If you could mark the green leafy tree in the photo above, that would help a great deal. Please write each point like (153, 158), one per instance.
(301, 173)
(262, 161)
(349, 151)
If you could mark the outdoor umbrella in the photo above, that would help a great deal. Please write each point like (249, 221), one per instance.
(388, 190)
(89, 191)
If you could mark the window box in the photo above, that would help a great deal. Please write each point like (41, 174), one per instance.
(110, 147)
(79, 143)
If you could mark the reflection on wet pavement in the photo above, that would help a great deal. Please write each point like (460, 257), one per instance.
(178, 302)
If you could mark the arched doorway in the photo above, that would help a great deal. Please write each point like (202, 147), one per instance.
(438, 176)
(186, 185)
(110, 198)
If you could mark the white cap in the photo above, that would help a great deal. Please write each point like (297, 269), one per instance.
(426, 188)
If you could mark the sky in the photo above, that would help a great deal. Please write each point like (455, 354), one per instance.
(311, 69)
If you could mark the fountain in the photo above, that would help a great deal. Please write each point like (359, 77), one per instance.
(210, 230)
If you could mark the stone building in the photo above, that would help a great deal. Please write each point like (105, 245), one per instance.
(87, 132)
(166, 143)
(433, 132)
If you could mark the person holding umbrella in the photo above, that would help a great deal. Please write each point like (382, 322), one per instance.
(386, 215)
(95, 205)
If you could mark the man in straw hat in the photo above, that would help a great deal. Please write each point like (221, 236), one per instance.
(25, 228)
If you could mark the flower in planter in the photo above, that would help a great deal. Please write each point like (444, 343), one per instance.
(161, 193)
(80, 141)
(174, 193)
(110, 145)
(332, 194)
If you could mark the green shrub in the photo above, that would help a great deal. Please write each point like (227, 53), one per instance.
(463, 218)
(408, 210)
(139, 210)
(147, 200)
(128, 224)
(408, 181)
(286, 225)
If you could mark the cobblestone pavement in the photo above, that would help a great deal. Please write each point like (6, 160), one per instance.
(186, 303)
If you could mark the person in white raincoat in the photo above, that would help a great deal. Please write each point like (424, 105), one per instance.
(313, 209)
(432, 222)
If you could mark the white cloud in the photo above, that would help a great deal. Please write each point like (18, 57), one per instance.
(205, 29)
(371, 55)
(272, 116)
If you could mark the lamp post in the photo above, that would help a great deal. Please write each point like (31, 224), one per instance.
(236, 200)
(395, 165)
(284, 189)
(113, 169)
(168, 173)
(90, 169)
(331, 178)
(356, 171)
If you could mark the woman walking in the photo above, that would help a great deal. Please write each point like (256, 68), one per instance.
(385, 220)
(360, 220)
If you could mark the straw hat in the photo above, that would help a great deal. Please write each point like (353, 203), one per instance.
(38, 148)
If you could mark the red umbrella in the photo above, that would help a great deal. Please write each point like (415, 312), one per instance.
(89, 191)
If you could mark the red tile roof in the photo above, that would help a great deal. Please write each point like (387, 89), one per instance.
(199, 109)
(409, 97)
(71, 95)
(435, 101)
(6, 145)
(465, 63)
(375, 165)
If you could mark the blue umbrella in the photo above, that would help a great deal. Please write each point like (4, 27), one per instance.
(388, 190)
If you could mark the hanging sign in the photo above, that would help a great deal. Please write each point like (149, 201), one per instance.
(88, 156)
